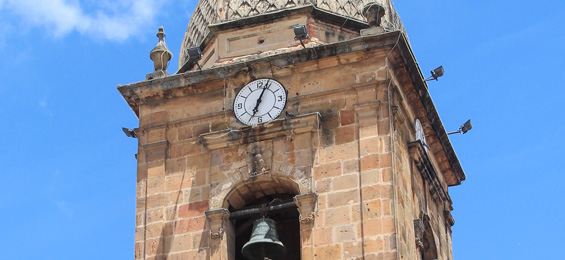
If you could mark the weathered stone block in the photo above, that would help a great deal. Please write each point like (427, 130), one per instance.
(191, 148)
(156, 135)
(193, 209)
(372, 209)
(178, 182)
(347, 117)
(370, 162)
(158, 200)
(184, 132)
(190, 225)
(342, 198)
(346, 182)
(156, 168)
(175, 166)
(375, 244)
(198, 161)
(154, 247)
(370, 177)
(328, 252)
(352, 250)
(327, 170)
(323, 236)
(337, 216)
(154, 118)
(345, 134)
(345, 233)
(179, 243)
(339, 152)
(155, 185)
(200, 129)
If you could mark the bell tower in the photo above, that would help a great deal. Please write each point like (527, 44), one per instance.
(294, 129)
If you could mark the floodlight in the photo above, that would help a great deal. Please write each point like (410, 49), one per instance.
(129, 132)
(300, 33)
(194, 55)
(464, 128)
(436, 73)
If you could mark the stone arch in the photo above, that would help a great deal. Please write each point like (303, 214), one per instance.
(430, 251)
(263, 190)
(283, 179)
(257, 187)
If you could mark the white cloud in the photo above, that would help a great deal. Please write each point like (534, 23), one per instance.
(116, 20)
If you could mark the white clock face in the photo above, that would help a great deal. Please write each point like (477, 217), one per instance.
(420, 133)
(259, 101)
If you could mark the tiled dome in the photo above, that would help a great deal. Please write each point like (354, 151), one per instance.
(217, 11)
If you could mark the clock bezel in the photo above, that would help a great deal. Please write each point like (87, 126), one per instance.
(272, 118)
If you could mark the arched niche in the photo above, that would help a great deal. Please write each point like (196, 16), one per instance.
(260, 194)
(263, 186)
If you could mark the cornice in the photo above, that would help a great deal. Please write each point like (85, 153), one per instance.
(277, 128)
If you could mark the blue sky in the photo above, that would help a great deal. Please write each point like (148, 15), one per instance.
(67, 188)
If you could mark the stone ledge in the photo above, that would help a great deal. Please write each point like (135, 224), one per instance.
(156, 151)
(278, 128)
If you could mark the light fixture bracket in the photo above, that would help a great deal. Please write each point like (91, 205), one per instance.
(436, 73)
(463, 129)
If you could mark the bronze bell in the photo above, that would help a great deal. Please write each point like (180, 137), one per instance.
(264, 242)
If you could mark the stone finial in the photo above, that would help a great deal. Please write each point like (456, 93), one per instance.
(374, 13)
(160, 55)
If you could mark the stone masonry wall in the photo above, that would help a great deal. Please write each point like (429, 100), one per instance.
(349, 167)
(346, 139)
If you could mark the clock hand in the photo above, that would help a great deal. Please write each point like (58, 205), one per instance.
(260, 97)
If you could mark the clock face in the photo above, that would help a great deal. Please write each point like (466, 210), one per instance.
(420, 135)
(259, 101)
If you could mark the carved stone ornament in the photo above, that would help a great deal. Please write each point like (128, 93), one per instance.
(374, 12)
(160, 55)
(428, 171)
(398, 114)
(449, 221)
(306, 207)
(419, 230)
(257, 164)
(217, 220)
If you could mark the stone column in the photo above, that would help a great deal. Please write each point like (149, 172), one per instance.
(219, 226)
(375, 177)
(150, 231)
(307, 209)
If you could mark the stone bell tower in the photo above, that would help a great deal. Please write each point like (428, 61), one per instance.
(312, 114)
